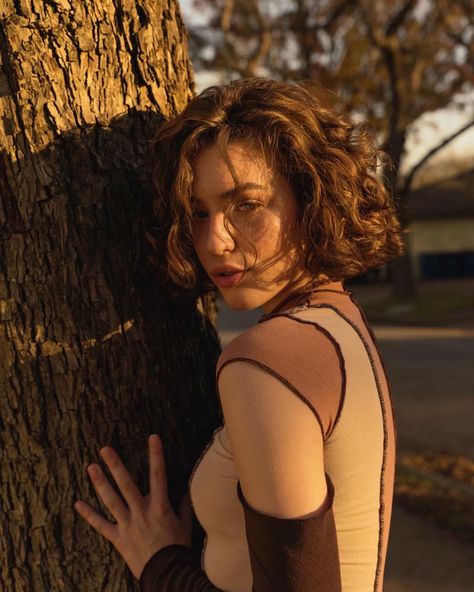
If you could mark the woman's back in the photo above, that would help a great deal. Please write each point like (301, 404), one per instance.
(326, 355)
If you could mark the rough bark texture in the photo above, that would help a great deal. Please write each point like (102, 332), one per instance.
(92, 351)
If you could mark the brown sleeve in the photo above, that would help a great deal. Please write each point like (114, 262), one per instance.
(175, 568)
(304, 356)
(293, 554)
(286, 555)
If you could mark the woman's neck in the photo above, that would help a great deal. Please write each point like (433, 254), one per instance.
(297, 289)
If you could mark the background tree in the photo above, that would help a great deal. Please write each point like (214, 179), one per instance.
(93, 349)
(388, 61)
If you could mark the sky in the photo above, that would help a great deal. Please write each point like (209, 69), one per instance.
(433, 128)
(427, 132)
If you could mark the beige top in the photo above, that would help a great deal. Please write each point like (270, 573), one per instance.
(327, 356)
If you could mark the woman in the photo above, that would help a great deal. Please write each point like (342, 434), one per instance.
(272, 198)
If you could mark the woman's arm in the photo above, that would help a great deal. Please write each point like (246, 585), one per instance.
(277, 443)
(278, 448)
(276, 564)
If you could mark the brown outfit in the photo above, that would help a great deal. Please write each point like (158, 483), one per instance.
(327, 356)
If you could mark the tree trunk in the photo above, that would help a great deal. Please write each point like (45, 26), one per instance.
(402, 278)
(92, 350)
(403, 285)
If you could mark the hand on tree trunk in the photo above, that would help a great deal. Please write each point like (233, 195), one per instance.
(148, 523)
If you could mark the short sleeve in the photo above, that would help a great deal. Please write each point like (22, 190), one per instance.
(304, 356)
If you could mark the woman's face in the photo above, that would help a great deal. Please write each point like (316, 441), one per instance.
(265, 212)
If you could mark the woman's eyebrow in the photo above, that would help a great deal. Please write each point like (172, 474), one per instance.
(230, 192)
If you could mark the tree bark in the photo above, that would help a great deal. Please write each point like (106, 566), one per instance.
(92, 350)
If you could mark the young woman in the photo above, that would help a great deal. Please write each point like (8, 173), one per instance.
(273, 199)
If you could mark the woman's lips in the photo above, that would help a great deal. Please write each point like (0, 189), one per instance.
(228, 281)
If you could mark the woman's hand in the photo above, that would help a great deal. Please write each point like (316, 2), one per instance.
(146, 524)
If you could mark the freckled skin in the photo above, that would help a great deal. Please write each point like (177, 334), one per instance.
(270, 226)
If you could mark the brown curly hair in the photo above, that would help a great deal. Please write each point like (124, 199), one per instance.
(347, 223)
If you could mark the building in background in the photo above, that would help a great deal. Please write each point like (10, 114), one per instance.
(442, 228)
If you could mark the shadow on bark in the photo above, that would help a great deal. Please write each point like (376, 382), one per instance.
(95, 350)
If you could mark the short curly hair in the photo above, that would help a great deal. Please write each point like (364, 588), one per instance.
(348, 222)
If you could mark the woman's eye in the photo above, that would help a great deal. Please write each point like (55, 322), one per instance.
(244, 206)
(251, 205)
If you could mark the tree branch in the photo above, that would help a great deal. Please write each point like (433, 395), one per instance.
(336, 13)
(398, 19)
(409, 178)
(226, 15)
(385, 46)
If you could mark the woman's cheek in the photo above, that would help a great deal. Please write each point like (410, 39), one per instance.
(260, 224)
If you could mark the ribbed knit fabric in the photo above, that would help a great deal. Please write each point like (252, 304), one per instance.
(293, 554)
(175, 568)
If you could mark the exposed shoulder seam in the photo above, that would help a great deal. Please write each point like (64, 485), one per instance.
(384, 422)
(342, 366)
(374, 339)
(277, 375)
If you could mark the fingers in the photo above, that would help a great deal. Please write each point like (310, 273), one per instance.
(107, 493)
(158, 482)
(122, 477)
(100, 524)
(158, 489)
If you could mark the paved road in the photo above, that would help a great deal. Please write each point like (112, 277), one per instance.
(432, 379)
(423, 558)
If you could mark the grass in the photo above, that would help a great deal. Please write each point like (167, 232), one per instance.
(434, 300)
(440, 488)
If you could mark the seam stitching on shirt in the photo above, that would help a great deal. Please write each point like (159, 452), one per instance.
(384, 416)
(195, 466)
(385, 435)
(208, 445)
(392, 404)
(342, 366)
(288, 311)
(281, 378)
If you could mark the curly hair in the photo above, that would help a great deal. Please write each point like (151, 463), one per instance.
(347, 221)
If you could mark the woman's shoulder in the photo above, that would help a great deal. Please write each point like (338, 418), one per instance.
(261, 339)
(279, 339)
(299, 355)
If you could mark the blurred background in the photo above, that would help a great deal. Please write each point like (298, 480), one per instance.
(406, 67)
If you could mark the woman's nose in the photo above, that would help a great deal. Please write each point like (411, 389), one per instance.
(218, 237)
